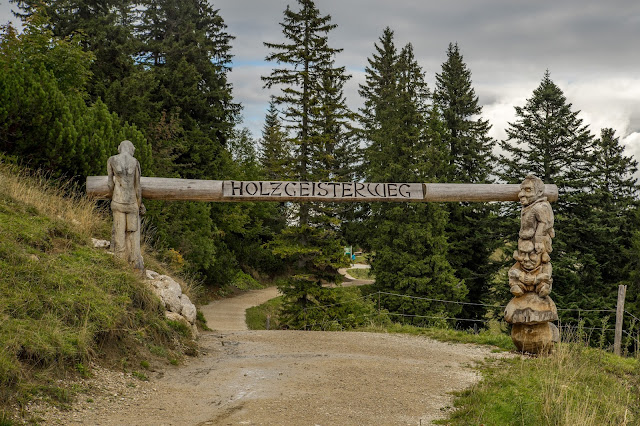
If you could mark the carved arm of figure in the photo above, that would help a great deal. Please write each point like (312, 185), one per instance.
(544, 280)
(110, 173)
(517, 287)
(138, 185)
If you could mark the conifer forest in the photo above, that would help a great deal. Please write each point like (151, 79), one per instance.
(83, 75)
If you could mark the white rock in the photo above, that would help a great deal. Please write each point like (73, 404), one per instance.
(100, 243)
(152, 275)
(172, 285)
(157, 284)
(170, 299)
(188, 308)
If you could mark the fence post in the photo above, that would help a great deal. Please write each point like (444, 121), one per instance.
(268, 321)
(617, 343)
(378, 302)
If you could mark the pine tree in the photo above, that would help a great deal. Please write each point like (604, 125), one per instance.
(606, 220)
(186, 49)
(405, 145)
(186, 45)
(471, 158)
(547, 139)
(471, 227)
(313, 111)
(308, 58)
(335, 153)
(45, 120)
(275, 155)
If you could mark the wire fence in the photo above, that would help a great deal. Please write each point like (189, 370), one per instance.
(632, 334)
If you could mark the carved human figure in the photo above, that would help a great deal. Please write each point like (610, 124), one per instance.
(126, 204)
(536, 218)
(532, 271)
(532, 312)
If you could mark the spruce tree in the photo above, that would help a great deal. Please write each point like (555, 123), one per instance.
(606, 220)
(311, 97)
(405, 145)
(471, 227)
(335, 153)
(307, 58)
(276, 155)
(471, 158)
(548, 140)
(186, 48)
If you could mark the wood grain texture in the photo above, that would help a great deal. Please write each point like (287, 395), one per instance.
(172, 189)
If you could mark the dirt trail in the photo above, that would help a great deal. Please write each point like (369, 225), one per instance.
(294, 378)
(229, 314)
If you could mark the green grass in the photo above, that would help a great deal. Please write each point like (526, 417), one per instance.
(64, 304)
(256, 317)
(362, 258)
(576, 385)
(361, 274)
(493, 336)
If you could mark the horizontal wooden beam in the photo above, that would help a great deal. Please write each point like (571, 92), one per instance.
(171, 189)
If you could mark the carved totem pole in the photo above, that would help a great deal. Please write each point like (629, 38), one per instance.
(126, 204)
(531, 310)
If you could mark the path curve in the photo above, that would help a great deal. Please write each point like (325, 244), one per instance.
(294, 378)
(230, 314)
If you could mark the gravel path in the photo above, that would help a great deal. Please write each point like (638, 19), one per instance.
(229, 314)
(290, 378)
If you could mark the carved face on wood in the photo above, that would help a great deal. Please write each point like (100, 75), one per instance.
(527, 192)
(531, 260)
(528, 256)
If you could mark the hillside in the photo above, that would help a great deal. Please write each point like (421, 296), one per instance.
(64, 305)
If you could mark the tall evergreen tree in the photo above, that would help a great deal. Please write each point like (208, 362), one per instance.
(186, 45)
(405, 145)
(471, 158)
(471, 227)
(606, 220)
(186, 49)
(276, 155)
(307, 58)
(311, 95)
(547, 139)
(335, 153)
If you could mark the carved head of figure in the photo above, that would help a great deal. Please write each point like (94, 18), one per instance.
(528, 256)
(531, 189)
(126, 146)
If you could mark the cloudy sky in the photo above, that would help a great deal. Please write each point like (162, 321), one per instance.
(590, 48)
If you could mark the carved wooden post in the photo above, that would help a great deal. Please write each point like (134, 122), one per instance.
(531, 310)
(617, 342)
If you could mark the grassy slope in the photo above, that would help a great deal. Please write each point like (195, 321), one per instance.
(62, 302)
(577, 385)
